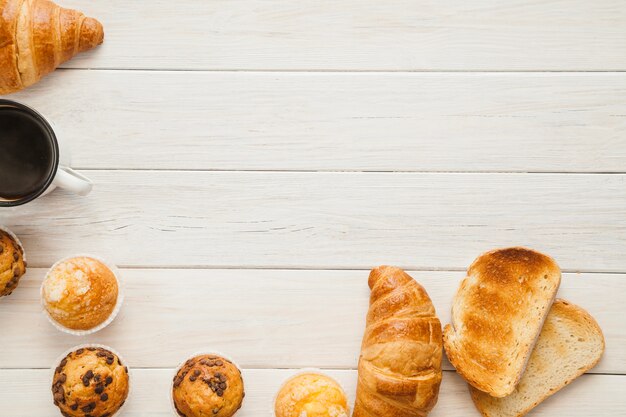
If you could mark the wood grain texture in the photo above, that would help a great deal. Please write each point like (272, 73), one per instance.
(328, 220)
(359, 35)
(263, 318)
(339, 121)
(480, 88)
(25, 393)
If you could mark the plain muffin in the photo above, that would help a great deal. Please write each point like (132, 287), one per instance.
(80, 293)
(12, 264)
(208, 385)
(311, 395)
(90, 382)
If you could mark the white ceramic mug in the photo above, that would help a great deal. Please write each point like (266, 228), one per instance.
(58, 173)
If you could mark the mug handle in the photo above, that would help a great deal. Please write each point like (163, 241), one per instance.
(70, 180)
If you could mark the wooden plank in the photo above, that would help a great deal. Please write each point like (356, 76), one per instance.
(339, 121)
(26, 393)
(264, 318)
(359, 35)
(328, 220)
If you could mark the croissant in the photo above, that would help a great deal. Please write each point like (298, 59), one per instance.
(36, 36)
(400, 364)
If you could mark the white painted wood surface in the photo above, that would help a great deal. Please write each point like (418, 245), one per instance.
(330, 220)
(360, 35)
(581, 399)
(219, 133)
(264, 318)
(339, 121)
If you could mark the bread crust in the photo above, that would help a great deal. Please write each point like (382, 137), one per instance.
(36, 36)
(400, 363)
(560, 314)
(10, 79)
(497, 315)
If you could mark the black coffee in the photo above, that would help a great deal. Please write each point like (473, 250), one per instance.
(27, 155)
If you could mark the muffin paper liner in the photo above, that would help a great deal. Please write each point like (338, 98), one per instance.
(58, 360)
(109, 320)
(199, 353)
(305, 371)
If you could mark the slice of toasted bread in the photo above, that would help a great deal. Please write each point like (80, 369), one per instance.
(570, 344)
(497, 315)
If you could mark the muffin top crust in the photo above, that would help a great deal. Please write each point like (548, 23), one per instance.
(311, 395)
(12, 264)
(80, 293)
(90, 381)
(208, 385)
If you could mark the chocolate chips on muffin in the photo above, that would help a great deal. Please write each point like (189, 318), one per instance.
(90, 382)
(12, 264)
(208, 385)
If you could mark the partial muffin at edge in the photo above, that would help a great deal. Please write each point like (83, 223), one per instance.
(208, 385)
(80, 293)
(90, 382)
(313, 395)
(12, 264)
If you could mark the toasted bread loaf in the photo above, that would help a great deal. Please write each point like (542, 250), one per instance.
(570, 344)
(497, 315)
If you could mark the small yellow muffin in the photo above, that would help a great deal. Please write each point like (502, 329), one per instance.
(90, 382)
(208, 386)
(80, 293)
(12, 264)
(311, 395)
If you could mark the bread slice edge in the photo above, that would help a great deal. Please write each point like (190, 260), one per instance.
(477, 395)
(456, 355)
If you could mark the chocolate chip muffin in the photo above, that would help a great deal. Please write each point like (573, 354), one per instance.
(12, 264)
(208, 385)
(80, 293)
(90, 382)
(311, 395)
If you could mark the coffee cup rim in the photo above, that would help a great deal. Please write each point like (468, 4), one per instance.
(4, 103)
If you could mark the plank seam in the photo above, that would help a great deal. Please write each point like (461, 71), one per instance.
(247, 368)
(365, 71)
(348, 171)
(311, 268)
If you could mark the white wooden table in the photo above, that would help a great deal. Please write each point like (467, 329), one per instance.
(254, 158)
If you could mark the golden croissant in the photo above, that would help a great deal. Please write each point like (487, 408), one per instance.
(400, 363)
(36, 36)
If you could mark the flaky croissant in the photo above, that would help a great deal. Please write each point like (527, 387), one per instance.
(36, 36)
(400, 363)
